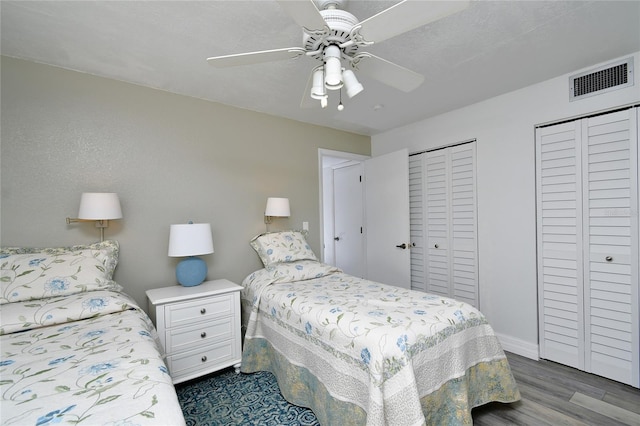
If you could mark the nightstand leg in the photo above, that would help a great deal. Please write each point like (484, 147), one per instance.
(237, 367)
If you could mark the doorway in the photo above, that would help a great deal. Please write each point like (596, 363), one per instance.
(345, 164)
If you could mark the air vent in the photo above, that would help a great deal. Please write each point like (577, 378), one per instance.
(600, 80)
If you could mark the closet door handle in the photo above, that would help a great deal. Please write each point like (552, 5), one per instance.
(402, 246)
(436, 246)
(608, 258)
(203, 334)
(203, 311)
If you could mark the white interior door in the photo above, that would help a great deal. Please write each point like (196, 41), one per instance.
(387, 219)
(348, 219)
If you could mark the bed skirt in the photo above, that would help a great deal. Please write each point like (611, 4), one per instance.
(451, 404)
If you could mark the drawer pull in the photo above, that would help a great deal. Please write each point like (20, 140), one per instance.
(203, 334)
(204, 358)
(203, 311)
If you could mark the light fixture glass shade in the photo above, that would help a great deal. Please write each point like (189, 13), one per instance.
(99, 206)
(351, 83)
(332, 67)
(190, 239)
(318, 90)
(277, 207)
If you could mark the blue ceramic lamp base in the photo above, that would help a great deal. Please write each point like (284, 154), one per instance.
(191, 271)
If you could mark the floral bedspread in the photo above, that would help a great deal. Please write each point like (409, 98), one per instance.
(89, 358)
(401, 356)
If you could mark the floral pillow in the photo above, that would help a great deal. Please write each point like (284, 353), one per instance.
(284, 246)
(299, 271)
(37, 273)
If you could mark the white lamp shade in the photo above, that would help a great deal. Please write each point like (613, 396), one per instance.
(317, 89)
(351, 83)
(278, 207)
(332, 68)
(190, 239)
(99, 206)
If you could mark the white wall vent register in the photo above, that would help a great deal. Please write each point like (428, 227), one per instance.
(612, 76)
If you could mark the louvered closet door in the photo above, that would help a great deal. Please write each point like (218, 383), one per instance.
(560, 286)
(610, 216)
(450, 226)
(587, 199)
(437, 224)
(464, 259)
(416, 222)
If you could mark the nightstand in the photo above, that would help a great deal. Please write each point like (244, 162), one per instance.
(199, 327)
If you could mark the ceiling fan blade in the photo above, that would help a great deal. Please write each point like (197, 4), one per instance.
(255, 57)
(406, 16)
(387, 72)
(304, 13)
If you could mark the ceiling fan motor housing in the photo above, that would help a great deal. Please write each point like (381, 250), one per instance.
(340, 23)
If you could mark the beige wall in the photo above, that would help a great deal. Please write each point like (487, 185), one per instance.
(170, 158)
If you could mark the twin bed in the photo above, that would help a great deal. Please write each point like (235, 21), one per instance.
(361, 352)
(76, 349)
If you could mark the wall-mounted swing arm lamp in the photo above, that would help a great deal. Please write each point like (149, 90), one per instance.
(100, 207)
(276, 207)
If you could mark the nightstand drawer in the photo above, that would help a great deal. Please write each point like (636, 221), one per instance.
(207, 358)
(204, 309)
(190, 337)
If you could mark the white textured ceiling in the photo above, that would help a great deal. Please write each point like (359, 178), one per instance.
(490, 48)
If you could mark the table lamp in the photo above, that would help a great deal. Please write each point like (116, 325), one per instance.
(190, 240)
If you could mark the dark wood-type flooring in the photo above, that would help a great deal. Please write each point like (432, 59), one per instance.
(554, 394)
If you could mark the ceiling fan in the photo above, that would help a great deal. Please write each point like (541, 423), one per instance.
(335, 37)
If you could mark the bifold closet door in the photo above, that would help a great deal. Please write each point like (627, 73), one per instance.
(448, 240)
(587, 201)
(610, 224)
(559, 215)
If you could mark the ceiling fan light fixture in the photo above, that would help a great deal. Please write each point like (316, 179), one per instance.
(332, 67)
(318, 90)
(351, 83)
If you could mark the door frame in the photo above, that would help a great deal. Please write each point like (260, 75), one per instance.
(328, 158)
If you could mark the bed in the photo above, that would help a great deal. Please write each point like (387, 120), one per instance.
(361, 352)
(74, 347)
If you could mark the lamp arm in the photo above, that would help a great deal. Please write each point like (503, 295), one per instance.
(100, 223)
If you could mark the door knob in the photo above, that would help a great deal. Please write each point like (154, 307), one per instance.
(436, 246)
(337, 238)
(402, 246)
(608, 258)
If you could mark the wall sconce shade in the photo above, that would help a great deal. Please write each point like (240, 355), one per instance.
(276, 207)
(99, 206)
(190, 240)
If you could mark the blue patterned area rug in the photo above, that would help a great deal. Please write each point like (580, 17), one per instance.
(227, 398)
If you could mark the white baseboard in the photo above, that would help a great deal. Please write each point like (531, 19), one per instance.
(518, 347)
